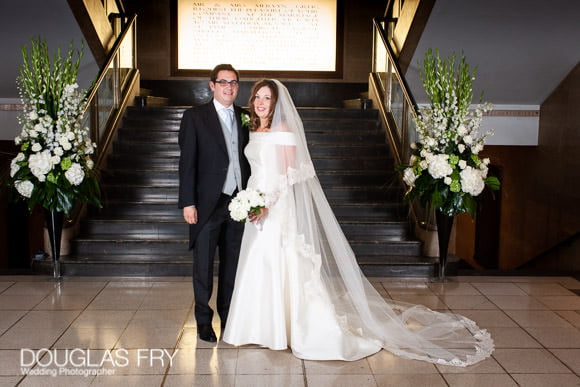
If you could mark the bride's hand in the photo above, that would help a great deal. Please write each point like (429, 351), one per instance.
(257, 218)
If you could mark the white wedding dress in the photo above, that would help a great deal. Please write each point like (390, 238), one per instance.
(279, 300)
(298, 284)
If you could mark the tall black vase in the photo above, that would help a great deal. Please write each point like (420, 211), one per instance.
(444, 226)
(54, 224)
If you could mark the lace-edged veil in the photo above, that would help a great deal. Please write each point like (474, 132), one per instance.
(409, 331)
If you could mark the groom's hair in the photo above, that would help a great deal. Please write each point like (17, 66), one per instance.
(223, 67)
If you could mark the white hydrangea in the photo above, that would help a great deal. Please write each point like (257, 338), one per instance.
(439, 166)
(75, 174)
(24, 188)
(40, 164)
(409, 177)
(471, 181)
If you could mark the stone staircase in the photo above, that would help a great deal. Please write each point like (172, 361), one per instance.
(140, 230)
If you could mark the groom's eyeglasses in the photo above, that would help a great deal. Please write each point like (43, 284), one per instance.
(224, 83)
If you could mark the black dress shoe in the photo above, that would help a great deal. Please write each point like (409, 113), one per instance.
(206, 333)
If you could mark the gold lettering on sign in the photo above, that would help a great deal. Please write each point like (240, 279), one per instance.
(282, 35)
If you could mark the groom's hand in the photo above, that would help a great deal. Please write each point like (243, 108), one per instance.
(190, 214)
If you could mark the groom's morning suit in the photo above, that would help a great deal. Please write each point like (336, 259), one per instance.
(203, 169)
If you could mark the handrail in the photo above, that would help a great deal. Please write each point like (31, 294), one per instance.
(109, 95)
(409, 106)
(397, 107)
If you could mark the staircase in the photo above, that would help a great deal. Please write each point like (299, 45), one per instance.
(141, 232)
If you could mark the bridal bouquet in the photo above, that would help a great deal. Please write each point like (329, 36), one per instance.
(445, 169)
(54, 165)
(246, 203)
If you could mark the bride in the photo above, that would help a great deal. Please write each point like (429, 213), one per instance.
(298, 284)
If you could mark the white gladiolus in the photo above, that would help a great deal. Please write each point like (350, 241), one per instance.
(438, 166)
(409, 177)
(14, 167)
(24, 188)
(75, 174)
(471, 181)
(40, 164)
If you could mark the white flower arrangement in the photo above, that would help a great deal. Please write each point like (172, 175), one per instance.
(246, 203)
(53, 167)
(444, 169)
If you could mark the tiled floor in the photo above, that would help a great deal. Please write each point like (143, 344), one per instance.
(128, 330)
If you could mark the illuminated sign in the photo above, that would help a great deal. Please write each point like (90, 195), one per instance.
(257, 35)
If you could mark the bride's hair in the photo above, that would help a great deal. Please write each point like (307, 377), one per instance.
(254, 119)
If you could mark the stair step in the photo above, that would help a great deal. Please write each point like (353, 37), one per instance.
(140, 230)
(157, 194)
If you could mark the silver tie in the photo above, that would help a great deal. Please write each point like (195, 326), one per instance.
(229, 119)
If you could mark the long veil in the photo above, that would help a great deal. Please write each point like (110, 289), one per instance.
(409, 331)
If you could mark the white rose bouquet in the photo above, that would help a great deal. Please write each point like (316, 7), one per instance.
(444, 169)
(246, 203)
(54, 166)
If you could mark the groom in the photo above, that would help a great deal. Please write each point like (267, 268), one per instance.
(212, 169)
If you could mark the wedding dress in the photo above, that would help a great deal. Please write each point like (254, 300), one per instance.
(298, 284)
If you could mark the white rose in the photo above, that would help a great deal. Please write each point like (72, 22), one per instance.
(66, 145)
(447, 180)
(467, 139)
(75, 174)
(438, 166)
(462, 164)
(40, 164)
(17, 140)
(409, 177)
(477, 148)
(32, 133)
(461, 148)
(24, 188)
(90, 164)
(58, 151)
(486, 161)
(20, 157)
(70, 136)
(461, 130)
(412, 160)
(471, 181)
(36, 147)
(32, 115)
(413, 145)
(55, 160)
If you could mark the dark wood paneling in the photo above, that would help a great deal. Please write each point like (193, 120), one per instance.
(194, 92)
